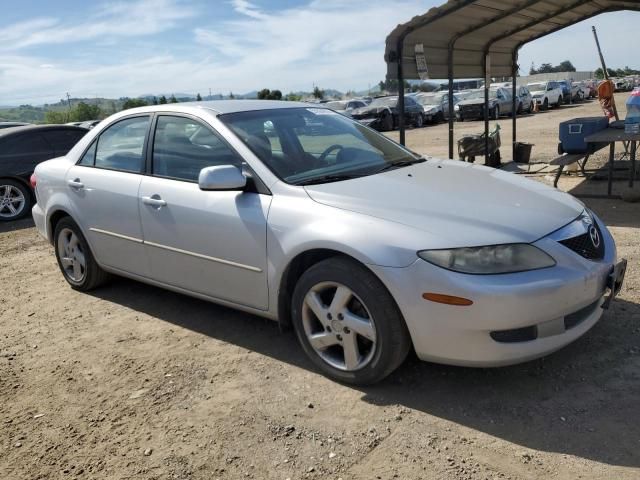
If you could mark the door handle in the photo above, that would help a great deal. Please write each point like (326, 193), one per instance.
(154, 201)
(75, 183)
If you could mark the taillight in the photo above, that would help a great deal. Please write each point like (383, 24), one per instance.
(33, 180)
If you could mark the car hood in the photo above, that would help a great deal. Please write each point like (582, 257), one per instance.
(459, 204)
(370, 110)
(475, 101)
(538, 92)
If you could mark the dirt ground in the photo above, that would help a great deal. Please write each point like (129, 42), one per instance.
(133, 382)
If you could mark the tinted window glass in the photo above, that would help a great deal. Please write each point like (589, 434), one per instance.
(182, 147)
(121, 145)
(89, 157)
(26, 144)
(63, 140)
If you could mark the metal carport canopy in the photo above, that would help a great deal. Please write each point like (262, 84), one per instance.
(453, 40)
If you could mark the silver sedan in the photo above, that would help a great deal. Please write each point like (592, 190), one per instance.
(298, 214)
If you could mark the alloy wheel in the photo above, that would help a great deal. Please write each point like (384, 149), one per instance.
(72, 258)
(338, 326)
(12, 201)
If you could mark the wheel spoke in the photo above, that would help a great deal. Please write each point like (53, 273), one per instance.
(351, 351)
(360, 325)
(12, 209)
(5, 193)
(66, 262)
(340, 299)
(80, 258)
(77, 270)
(73, 241)
(313, 301)
(321, 341)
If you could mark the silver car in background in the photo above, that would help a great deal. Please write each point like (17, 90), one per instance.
(301, 215)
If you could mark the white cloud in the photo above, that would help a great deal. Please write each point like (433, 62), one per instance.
(244, 7)
(332, 43)
(119, 19)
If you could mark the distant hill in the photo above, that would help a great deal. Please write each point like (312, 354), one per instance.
(109, 106)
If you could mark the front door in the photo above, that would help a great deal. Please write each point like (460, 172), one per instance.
(104, 194)
(208, 242)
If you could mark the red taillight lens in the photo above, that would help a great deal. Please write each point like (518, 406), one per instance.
(33, 181)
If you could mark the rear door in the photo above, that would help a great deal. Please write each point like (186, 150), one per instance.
(209, 242)
(103, 187)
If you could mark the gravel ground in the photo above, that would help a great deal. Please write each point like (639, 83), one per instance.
(133, 382)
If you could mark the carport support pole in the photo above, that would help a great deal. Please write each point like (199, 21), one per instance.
(400, 91)
(487, 82)
(451, 110)
(514, 112)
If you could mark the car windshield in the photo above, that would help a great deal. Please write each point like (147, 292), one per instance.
(314, 145)
(429, 99)
(536, 87)
(384, 102)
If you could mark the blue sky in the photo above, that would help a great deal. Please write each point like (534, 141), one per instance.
(128, 48)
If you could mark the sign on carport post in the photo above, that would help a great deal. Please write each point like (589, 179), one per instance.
(421, 62)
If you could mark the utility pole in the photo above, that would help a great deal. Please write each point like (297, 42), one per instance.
(69, 104)
(209, 93)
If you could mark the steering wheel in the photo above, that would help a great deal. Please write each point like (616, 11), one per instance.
(330, 149)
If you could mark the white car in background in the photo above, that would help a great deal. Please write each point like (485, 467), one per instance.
(298, 214)
(546, 94)
(345, 107)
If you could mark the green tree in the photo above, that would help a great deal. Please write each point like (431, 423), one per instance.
(292, 97)
(53, 116)
(318, 93)
(163, 100)
(155, 100)
(231, 96)
(173, 99)
(198, 98)
(264, 94)
(83, 112)
(133, 103)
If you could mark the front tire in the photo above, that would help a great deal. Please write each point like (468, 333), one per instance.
(560, 101)
(419, 123)
(76, 262)
(387, 122)
(496, 113)
(545, 104)
(15, 200)
(348, 323)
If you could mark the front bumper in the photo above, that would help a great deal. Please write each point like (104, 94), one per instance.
(373, 122)
(559, 304)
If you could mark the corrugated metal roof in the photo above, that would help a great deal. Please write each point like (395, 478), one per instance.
(472, 27)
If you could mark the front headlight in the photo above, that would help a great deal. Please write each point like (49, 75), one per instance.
(518, 257)
(457, 108)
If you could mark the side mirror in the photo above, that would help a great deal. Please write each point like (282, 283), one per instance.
(222, 177)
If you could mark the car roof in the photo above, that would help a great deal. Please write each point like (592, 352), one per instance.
(5, 132)
(221, 107)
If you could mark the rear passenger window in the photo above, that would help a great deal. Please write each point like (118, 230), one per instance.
(120, 146)
(89, 158)
(182, 147)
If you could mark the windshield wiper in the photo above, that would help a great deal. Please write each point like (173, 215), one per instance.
(328, 179)
(400, 164)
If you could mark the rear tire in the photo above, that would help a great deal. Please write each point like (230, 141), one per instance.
(75, 259)
(15, 200)
(387, 121)
(560, 101)
(338, 308)
(496, 113)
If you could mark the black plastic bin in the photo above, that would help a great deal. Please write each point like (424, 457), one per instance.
(523, 152)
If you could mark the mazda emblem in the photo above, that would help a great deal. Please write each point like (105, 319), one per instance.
(595, 236)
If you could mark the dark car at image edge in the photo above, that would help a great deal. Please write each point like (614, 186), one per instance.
(21, 149)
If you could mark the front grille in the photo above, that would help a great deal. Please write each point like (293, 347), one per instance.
(584, 246)
(576, 318)
(515, 335)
